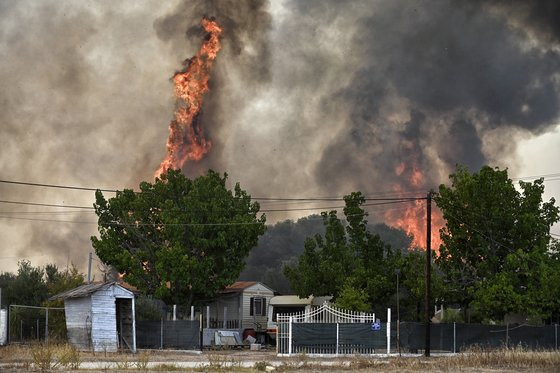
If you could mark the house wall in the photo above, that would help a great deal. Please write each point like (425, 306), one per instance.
(231, 301)
(104, 330)
(78, 321)
(254, 322)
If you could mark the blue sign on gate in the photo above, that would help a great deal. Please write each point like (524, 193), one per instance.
(375, 326)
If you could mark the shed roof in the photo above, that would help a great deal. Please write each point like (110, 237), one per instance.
(88, 289)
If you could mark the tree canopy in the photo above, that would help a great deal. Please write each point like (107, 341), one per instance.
(283, 243)
(347, 262)
(495, 250)
(178, 239)
(32, 286)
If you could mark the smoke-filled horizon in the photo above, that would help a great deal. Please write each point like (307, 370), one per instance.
(307, 98)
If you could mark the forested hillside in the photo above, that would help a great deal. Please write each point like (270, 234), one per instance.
(282, 244)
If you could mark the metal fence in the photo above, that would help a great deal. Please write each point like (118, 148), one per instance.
(457, 337)
(30, 324)
(329, 330)
(168, 334)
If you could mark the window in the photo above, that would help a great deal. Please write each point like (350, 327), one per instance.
(257, 307)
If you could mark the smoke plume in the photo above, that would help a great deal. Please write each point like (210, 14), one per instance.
(307, 98)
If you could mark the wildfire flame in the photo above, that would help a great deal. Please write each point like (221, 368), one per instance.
(186, 139)
(413, 219)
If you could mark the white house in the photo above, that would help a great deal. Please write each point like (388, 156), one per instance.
(242, 306)
(100, 316)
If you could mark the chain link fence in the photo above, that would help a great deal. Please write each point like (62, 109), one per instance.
(457, 337)
(32, 324)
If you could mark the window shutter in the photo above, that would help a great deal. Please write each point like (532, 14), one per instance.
(263, 313)
(251, 303)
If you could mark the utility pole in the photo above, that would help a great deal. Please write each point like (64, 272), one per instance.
(428, 270)
(89, 269)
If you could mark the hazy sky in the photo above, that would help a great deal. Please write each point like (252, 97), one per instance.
(308, 98)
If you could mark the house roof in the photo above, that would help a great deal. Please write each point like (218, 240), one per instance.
(240, 286)
(85, 290)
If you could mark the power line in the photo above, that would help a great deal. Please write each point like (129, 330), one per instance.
(386, 201)
(44, 204)
(381, 193)
(187, 224)
(536, 176)
(56, 186)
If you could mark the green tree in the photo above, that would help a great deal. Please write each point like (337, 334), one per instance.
(353, 299)
(178, 239)
(493, 232)
(58, 281)
(348, 258)
(28, 287)
(412, 267)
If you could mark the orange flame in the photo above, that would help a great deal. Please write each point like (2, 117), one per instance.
(186, 139)
(413, 219)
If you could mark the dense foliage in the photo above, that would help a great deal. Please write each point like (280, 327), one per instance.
(178, 239)
(496, 254)
(357, 267)
(32, 286)
(283, 243)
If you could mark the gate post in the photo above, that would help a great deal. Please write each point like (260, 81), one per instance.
(337, 334)
(161, 334)
(454, 338)
(290, 337)
(388, 331)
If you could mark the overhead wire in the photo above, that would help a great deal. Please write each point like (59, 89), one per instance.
(195, 224)
(338, 198)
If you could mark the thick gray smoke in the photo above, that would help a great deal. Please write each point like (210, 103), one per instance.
(308, 98)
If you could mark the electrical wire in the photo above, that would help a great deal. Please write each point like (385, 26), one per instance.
(187, 224)
(56, 186)
(381, 193)
(44, 204)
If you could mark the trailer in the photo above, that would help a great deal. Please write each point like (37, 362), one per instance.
(287, 304)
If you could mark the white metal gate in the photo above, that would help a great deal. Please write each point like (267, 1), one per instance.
(328, 330)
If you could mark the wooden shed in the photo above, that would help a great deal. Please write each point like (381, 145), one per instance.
(100, 316)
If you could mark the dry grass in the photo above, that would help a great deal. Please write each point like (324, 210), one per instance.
(65, 358)
(510, 359)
